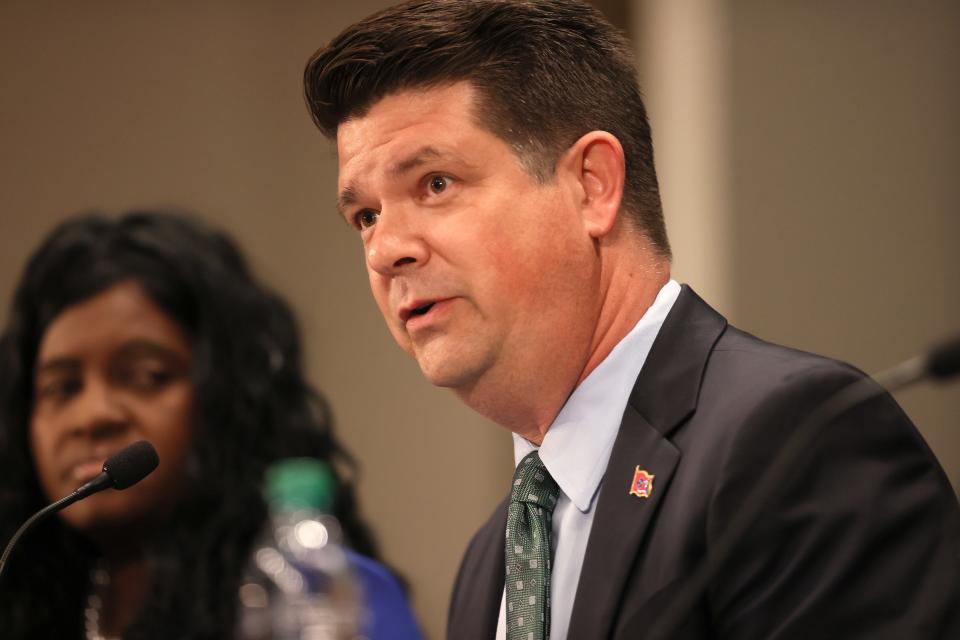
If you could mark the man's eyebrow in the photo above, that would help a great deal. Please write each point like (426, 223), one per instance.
(414, 160)
(346, 198)
(349, 195)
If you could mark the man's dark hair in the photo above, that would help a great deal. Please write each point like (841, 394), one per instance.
(545, 71)
(254, 406)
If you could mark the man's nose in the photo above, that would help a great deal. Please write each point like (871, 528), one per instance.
(98, 411)
(396, 243)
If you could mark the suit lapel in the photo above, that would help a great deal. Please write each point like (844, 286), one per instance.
(664, 395)
(620, 523)
(475, 604)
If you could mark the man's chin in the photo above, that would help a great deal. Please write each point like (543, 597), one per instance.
(447, 372)
(442, 376)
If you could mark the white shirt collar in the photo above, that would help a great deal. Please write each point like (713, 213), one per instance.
(577, 446)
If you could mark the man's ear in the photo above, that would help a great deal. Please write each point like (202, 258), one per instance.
(596, 164)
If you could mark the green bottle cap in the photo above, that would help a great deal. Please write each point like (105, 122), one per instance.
(298, 483)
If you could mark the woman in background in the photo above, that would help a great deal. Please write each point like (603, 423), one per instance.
(149, 326)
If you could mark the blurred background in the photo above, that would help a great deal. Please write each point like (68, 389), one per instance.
(808, 154)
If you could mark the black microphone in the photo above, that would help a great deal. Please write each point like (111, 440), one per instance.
(940, 362)
(944, 360)
(128, 466)
(123, 469)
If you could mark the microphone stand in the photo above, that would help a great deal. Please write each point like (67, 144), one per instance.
(101, 482)
(124, 469)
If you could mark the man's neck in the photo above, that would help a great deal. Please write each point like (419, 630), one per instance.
(629, 296)
(528, 407)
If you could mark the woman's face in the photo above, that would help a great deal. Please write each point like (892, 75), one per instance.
(111, 370)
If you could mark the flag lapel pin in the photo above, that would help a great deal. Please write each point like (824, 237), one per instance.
(642, 484)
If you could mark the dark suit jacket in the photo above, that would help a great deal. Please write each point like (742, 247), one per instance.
(863, 543)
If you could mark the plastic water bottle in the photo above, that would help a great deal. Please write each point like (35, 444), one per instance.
(299, 585)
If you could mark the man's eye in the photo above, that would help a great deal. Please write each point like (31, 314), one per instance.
(366, 218)
(439, 184)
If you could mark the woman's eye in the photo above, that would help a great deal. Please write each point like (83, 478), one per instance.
(149, 378)
(366, 218)
(58, 389)
(438, 184)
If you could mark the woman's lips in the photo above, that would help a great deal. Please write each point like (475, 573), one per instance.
(85, 471)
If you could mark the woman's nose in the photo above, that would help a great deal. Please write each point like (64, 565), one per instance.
(98, 411)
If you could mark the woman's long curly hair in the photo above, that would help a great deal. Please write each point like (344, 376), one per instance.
(253, 407)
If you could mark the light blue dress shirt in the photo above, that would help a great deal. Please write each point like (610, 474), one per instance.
(576, 449)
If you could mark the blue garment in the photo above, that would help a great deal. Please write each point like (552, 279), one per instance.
(388, 615)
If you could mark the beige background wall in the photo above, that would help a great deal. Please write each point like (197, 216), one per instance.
(845, 143)
(809, 155)
(808, 152)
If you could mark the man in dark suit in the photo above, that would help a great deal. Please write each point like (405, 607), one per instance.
(495, 159)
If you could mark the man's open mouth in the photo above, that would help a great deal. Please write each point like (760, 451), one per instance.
(419, 311)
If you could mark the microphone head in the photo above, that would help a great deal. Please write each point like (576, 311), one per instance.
(131, 464)
(944, 360)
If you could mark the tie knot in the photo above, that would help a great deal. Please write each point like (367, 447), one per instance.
(533, 484)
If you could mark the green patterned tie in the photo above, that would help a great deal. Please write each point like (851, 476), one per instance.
(532, 501)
